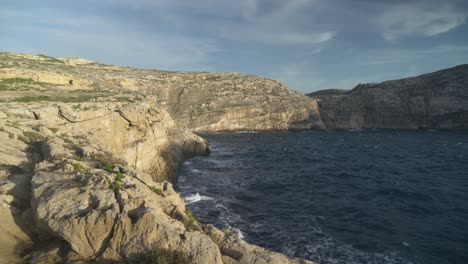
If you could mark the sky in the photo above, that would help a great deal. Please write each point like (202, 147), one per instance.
(308, 45)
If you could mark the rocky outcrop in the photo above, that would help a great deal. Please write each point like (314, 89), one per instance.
(436, 100)
(91, 182)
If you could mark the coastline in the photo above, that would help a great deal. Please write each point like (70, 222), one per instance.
(123, 204)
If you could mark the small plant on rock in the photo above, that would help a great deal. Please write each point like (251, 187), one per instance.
(79, 167)
(166, 256)
(115, 186)
(156, 190)
(193, 223)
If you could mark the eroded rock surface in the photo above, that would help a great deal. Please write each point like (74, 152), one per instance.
(90, 183)
(199, 101)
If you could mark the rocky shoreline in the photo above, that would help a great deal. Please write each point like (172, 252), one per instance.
(94, 185)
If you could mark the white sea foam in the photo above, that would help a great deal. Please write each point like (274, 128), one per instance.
(194, 198)
(181, 179)
(238, 232)
(246, 132)
(194, 170)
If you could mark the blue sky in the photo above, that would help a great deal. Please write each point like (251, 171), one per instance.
(306, 44)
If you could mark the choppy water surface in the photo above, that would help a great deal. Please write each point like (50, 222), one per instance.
(338, 197)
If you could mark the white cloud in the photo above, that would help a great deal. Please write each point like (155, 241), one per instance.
(282, 23)
(274, 37)
(412, 19)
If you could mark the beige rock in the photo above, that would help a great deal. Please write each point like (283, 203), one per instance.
(12, 239)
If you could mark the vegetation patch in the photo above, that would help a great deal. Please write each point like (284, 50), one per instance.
(156, 190)
(193, 223)
(72, 97)
(213, 236)
(107, 166)
(18, 84)
(79, 167)
(115, 186)
(166, 256)
(79, 107)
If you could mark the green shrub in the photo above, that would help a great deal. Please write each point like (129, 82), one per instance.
(193, 223)
(115, 186)
(213, 237)
(166, 256)
(79, 167)
(118, 176)
(107, 166)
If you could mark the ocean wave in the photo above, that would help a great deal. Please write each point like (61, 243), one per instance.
(193, 170)
(194, 198)
(246, 132)
(328, 250)
(239, 233)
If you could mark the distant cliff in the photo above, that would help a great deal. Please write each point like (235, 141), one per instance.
(436, 100)
(199, 101)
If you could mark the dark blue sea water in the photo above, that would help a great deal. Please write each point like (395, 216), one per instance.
(338, 197)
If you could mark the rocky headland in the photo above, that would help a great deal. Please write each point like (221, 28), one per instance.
(437, 100)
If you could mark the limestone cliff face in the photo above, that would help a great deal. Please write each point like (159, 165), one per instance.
(89, 182)
(233, 101)
(436, 100)
(199, 101)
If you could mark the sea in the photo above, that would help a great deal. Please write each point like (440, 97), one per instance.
(378, 196)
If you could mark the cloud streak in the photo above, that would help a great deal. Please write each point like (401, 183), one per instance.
(413, 20)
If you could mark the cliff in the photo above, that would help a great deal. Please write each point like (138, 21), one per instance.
(86, 172)
(203, 101)
(436, 100)
(200, 101)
